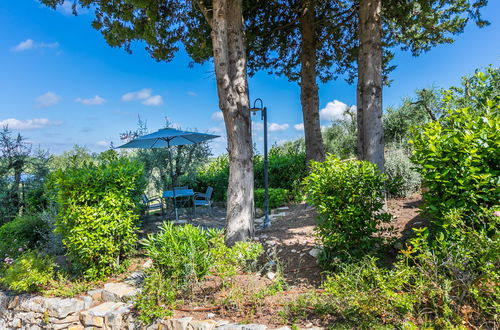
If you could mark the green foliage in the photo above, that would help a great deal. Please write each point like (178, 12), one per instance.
(402, 179)
(181, 253)
(340, 138)
(214, 174)
(22, 233)
(438, 288)
(78, 156)
(459, 157)
(287, 168)
(348, 196)
(277, 197)
(98, 211)
(157, 297)
(182, 256)
(29, 272)
(63, 286)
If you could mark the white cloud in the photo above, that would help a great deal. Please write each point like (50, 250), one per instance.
(36, 123)
(31, 44)
(299, 127)
(102, 143)
(191, 93)
(217, 116)
(155, 100)
(274, 127)
(48, 99)
(96, 100)
(144, 95)
(334, 110)
(215, 129)
(257, 126)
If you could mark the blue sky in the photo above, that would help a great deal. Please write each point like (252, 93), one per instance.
(61, 84)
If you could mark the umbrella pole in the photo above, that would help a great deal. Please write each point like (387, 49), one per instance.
(172, 176)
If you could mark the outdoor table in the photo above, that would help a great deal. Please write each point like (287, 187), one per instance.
(182, 196)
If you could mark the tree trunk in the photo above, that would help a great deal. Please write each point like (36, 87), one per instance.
(308, 87)
(369, 89)
(232, 86)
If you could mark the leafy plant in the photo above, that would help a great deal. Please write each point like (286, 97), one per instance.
(459, 156)
(277, 197)
(402, 179)
(348, 196)
(98, 211)
(29, 272)
(22, 233)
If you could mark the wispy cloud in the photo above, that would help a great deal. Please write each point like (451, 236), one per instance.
(299, 127)
(102, 143)
(96, 100)
(191, 93)
(335, 110)
(48, 99)
(31, 44)
(274, 127)
(217, 116)
(145, 96)
(29, 124)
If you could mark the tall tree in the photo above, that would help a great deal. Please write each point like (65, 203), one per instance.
(162, 25)
(414, 25)
(305, 41)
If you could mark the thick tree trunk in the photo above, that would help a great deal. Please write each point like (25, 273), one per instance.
(308, 87)
(232, 86)
(369, 89)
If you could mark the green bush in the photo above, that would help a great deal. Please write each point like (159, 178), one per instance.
(277, 197)
(97, 212)
(445, 287)
(182, 256)
(348, 196)
(214, 174)
(29, 272)
(459, 159)
(181, 252)
(402, 179)
(24, 232)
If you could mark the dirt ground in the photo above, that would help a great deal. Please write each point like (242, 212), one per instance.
(288, 244)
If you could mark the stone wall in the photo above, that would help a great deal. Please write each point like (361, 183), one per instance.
(91, 311)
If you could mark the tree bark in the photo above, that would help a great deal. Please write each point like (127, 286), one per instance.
(230, 70)
(369, 88)
(308, 87)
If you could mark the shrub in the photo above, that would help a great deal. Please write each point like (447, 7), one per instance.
(348, 196)
(98, 211)
(277, 197)
(459, 159)
(24, 232)
(445, 287)
(402, 179)
(181, 253)
(29, 272)
(215, 174)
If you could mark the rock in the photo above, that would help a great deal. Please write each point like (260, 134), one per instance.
(221, 323)
(294, 251)
(202, 325)
(253, 327)
(270, 243)
(67, 319)
(109, 314)
(76, 327)
(4, 302)
(315, 252)
(210, 315)
(259, 213)
(271, 275)
(283, 328)
(118, 292)
(230, 326)
(283, 208)
(96, 294)
(259, 220)
(56, 307)
(308, 325)
(180, 324)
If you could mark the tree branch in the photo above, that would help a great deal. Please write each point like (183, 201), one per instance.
(207, 13)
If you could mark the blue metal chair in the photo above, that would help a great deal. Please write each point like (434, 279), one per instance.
(203, 199)
(152, 204)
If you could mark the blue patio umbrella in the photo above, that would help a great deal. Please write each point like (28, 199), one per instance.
(166, 138)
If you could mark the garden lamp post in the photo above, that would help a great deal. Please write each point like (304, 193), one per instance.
(263, 111)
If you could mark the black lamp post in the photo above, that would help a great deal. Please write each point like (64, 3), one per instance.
(263, 111)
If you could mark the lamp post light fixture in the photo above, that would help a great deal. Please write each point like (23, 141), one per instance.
(263, 111)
